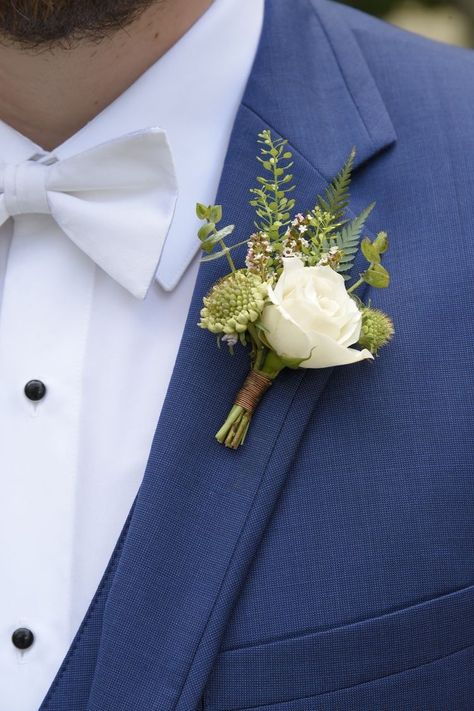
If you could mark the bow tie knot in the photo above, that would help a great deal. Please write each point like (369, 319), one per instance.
(24, 188)
(115, 201)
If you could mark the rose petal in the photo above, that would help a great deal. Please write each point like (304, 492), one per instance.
(328, 353)
(289, 278)
(284, 336)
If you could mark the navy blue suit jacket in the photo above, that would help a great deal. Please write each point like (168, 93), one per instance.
(329, 564)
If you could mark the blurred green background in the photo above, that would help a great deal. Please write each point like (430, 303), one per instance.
(451, 22)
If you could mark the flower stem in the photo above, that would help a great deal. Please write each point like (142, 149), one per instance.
(233, 417)
(259, 350)
(234, 430)
(355, 285)
(227, 254)
(238, 431)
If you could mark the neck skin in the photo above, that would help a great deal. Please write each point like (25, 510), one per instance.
(49, 95)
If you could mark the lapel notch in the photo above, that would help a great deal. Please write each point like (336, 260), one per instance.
(312, 80)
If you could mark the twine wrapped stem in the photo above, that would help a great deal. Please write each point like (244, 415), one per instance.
(252, 391)
(235, 428)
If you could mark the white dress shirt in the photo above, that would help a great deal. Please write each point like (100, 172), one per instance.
(72, 462)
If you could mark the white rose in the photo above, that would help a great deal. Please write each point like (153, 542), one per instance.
(312, 316)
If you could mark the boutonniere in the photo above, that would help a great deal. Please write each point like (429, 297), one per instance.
(291, 303)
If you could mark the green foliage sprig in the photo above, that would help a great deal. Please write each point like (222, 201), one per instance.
(348, 240)
(337, 193)
(325, 235)
(271, 201)
(376, 275)
(210, 236)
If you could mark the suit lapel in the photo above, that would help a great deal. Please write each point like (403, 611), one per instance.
(201, 510)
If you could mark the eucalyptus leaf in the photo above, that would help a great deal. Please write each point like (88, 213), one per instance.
(202, 211)
(222, 252)
(377, 276)
(370, 251)
(381, 242)
(206, 230)
(217, 237)
(215, 214)
(223, 233)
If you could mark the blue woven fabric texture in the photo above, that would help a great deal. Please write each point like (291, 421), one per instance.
(329, 564)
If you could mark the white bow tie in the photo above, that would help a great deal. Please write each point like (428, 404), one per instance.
(115, 201)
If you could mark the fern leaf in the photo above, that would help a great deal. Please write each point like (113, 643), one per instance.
(344, 268)
(337, 194)
(347, 258)
(349, 237)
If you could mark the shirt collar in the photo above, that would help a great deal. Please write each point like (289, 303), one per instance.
(216, 53)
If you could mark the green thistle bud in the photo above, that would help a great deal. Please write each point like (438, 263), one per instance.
(234, 302)
(377, 329)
